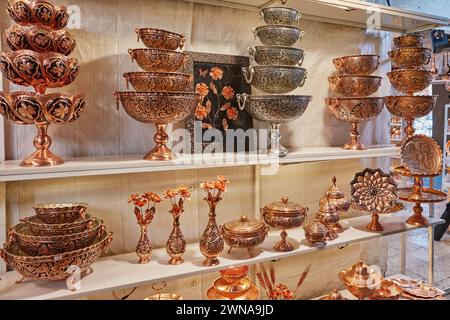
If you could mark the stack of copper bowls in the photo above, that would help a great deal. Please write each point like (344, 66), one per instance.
(278, 72)
(354, 84)
(58, 238)
(160, 95)
(233, 284)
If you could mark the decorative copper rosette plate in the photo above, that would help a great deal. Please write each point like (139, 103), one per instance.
(422, 155)
(160, 39)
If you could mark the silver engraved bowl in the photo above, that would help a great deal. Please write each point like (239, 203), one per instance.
(280, 15)
(276, 55)
(278, 35)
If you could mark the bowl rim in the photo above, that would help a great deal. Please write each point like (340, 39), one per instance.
(357, 56)
(278, 26)
(402, 70)
(279, 7)
(354, 98)
(278, 47)
(38, 28)
(156, 30)
(46, 96)
(424, 96)
(151, 73)
(414, 35)
(409, 49)
(278, 97)
(281, 67)
(157, 49)
(69, 225)
(173, 94)
(355, 76)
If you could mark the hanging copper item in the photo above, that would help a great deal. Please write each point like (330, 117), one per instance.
(360, 280)
(246, 233)
(160, 39)
(362, 64)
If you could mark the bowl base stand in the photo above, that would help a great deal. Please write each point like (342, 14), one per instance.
(354, 142)
(283, 245)
(160, 152)
(375, 224)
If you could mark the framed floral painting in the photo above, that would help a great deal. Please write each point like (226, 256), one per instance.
(217, 78)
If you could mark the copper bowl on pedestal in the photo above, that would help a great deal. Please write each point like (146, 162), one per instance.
(160, 39)
(39, 13)
(39, 70)
(410, 80)
(57, 213)
(363, 64)
(40, 228)
(234, 274)
(275, 79)
(245, 233)
(280, 15)
(278, 35)
(354, 86)
(160, 108)
(410, 58)
(276, 55)
(39, 40)
(158, 81)
(409, 40)
(361, 281)
(152, 60)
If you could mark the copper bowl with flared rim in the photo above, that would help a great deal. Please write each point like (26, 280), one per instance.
(409, 40)
(158, 81)
(234, 274)
(276, 55)
(410, 80)
(280, 15)
(278, 35)
(40, 228)
(354, 86)
(410, 107)
(160, 39)
(233, 290)
(39, 13)
(153, 60)
(39, 70)
(355, 110)
(57, 213)
(361, 64)
(245, 233)
(54, 267)
(25, 108)
(275, 79)
(360, 280)
(410, 58)
(165, 296)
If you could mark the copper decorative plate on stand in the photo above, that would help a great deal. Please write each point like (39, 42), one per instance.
(422, 155)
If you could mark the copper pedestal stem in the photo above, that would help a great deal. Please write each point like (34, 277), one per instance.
(283, 245)
(375, 224)
(417, 218)
(409, 129)
(354, 143)
(160, 152)
(42, 157)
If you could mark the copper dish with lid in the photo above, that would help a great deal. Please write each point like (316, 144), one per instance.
(244, 233)
(337, 197)
(360, 280)
(284, 215)
(315, 233)
(329, 215)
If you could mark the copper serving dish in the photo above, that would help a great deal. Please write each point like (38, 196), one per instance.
(362, 64)
(410, 80)
(409, 40)
(360, 280)
(234, 274)
(158, 59)
(45, 245)
(315, 233)
(39, 70)
(57, 213)
(275, 79)
(158, 81)
(54, 267)
(284, 215)
(244, 233)
(160, 39)
(410, 58)
(278, 35)
(354, 86)
(277, 55)
(39, 40)
(40, 13)
(280, 15)
(40, 228)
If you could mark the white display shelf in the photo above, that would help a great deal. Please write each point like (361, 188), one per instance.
(123, 271)
(11, 171)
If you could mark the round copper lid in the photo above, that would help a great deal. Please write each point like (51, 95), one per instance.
(316, 228)
(285, 207)
(360, 275)
(244, 226)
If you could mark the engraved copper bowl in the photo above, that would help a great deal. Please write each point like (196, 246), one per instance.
(363, 64)
(160, 39)
(315, 233)
(410, 80)
(57, 213)
(278, 35)
(40, 228)
(234, 274)
(276, 55)
(410, 58)
(280, 15)
(409, 40)
(232, 290)
(275, 79)
(410, 106)
(39, 40)
(158, 59)
(50, 245)
(245, 233)
(40, 13)
(39, 70)
(354, 86)
(158, 81)
(54, 267)
(360, 280)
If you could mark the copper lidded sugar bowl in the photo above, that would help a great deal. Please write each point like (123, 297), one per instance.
(244, 233)
(284, 215)
(360, 280)
(329, 215)
(315, 233)
(337, 197)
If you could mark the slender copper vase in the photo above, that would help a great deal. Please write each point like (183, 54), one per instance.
(144, 247)
(176, 245)
(211, 242)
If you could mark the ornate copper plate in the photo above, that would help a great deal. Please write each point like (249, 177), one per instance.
(422, 155)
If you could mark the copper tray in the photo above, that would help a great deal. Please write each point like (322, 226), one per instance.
(422, 155)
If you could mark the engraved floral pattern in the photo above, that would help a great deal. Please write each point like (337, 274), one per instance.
(157, 59)
(276, 79)
(410, 106)
(42, 14)
(354, 86)
(158, 82)
(160, 39)
(355, 110)
(280, 15)
(410, 58)
(273, 55)
(278, 35)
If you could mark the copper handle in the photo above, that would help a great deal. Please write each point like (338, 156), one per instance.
(110, 237)
(182, 42)
(241, 100)
(138, 34)
(261, 14)
(255, 33)
(101, 230)
(285, 200)
(302, 59)
(2, 254)
(11, 235)
(302, 33)
(131, 53)
(248, 74)
(304, 80)
(117, 100)
(251, 51)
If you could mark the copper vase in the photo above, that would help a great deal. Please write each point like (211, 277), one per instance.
(176, 245)
(144, 247)
(211, 242)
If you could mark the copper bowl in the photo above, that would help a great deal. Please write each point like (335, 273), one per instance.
(354, 86)
(39, 13)
(160, 39)
(410, 106)
(54, 267)
(275, 79)
(50, 245)
(234, 274)
(355, 110)
(158, 59)
(363, 64)
(40, 228)
(158, 81)
(315, 233)
(30, 108)
(360, 280)
(280, 15)
(278, 35)
(57, 213)
(410, 58)
(233, 290)
(409, 40)
(276, 55)
(39, 70)
(39, 40)
(410, 80)
(245, 233)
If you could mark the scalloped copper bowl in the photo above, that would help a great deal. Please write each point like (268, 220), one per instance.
(409, 40)
(410, 58)
(354, 86)
(410, 80)
(410, 106)
(158, 107)
(40, 228)
(160, 39)
(39, 40)
(158, 81)
(29, 107)
(355, 110)
(363, 64)
(39, 70)
(56, 213)
(40, 13)
(158, 59)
